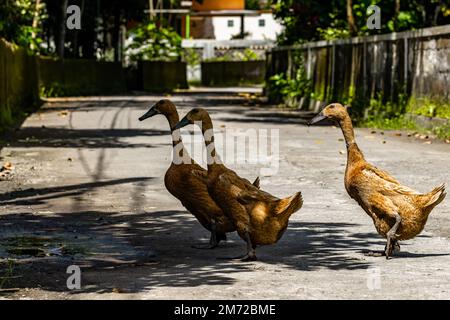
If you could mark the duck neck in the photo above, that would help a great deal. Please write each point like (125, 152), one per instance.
(177, 143)
(213, 158)
(353, 152)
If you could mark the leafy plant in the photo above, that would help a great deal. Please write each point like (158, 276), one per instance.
(150, 42)
(237, 55)
(283, 89)
(429, 107)
(21, 23)
(191, 56)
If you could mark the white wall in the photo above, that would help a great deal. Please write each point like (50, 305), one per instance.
(251, 25)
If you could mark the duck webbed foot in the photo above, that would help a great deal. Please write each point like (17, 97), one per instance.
(395, 247)
(251, 252)
(374, 253)
(213, 240)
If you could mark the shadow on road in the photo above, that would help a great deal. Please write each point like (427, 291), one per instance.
(30, 137)
(136, 252)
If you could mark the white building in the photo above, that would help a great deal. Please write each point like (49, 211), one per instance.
(259, 27)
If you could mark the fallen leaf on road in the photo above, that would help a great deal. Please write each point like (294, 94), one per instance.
(7, 166)
(427, 142)
(341, 151)
(384, 141)
(318, 141)
(398, 134)
(373, 132)
(69, 159)
(63, 113)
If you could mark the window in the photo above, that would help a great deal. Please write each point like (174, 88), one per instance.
(230, 23)
(262, 22)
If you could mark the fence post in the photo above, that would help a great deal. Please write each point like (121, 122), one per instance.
(333, 66)
(406, 64)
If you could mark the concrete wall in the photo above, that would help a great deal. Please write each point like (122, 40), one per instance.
(413, 64)
(160, 76)
(71, 77)
(18, 83)
(232, 73)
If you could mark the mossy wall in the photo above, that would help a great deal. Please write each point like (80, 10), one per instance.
(162, 76)
(18, 83)
(75, 77)
(233, 73)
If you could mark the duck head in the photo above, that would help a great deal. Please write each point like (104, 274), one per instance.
(334, 111)
(194, 116)
(164, 107)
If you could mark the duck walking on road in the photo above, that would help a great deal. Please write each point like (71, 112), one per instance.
(259, 217)
(398, 212)
(186, 180)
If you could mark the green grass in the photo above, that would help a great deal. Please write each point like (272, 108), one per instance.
(429, 107)
(391, 116)
(403, 123)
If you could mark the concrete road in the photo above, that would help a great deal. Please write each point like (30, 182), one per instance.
(87, 190)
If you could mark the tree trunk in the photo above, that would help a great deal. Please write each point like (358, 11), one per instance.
(350, 18)
(62, 30)
(75, 36)
(116, 37)
(396, 13)
(35, 23)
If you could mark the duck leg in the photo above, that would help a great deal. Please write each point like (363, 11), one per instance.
(391, 241)
(251, 249)
(396, 246)
(213, 240)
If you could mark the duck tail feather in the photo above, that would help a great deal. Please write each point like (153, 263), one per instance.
(436, 196)
(290, 204)
(256, 183)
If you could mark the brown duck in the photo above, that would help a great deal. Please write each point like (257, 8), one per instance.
(259, 217)
(186, 180)
(398, 212)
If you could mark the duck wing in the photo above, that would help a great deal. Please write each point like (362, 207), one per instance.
(385, 183)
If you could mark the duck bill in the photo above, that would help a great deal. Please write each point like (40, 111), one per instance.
(183, 123)
(319, 117)
(150, 113)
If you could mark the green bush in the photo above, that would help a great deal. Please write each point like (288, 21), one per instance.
(246, 55)
(150, 42)
(283, 89)
(16, 23)
(429, 107)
